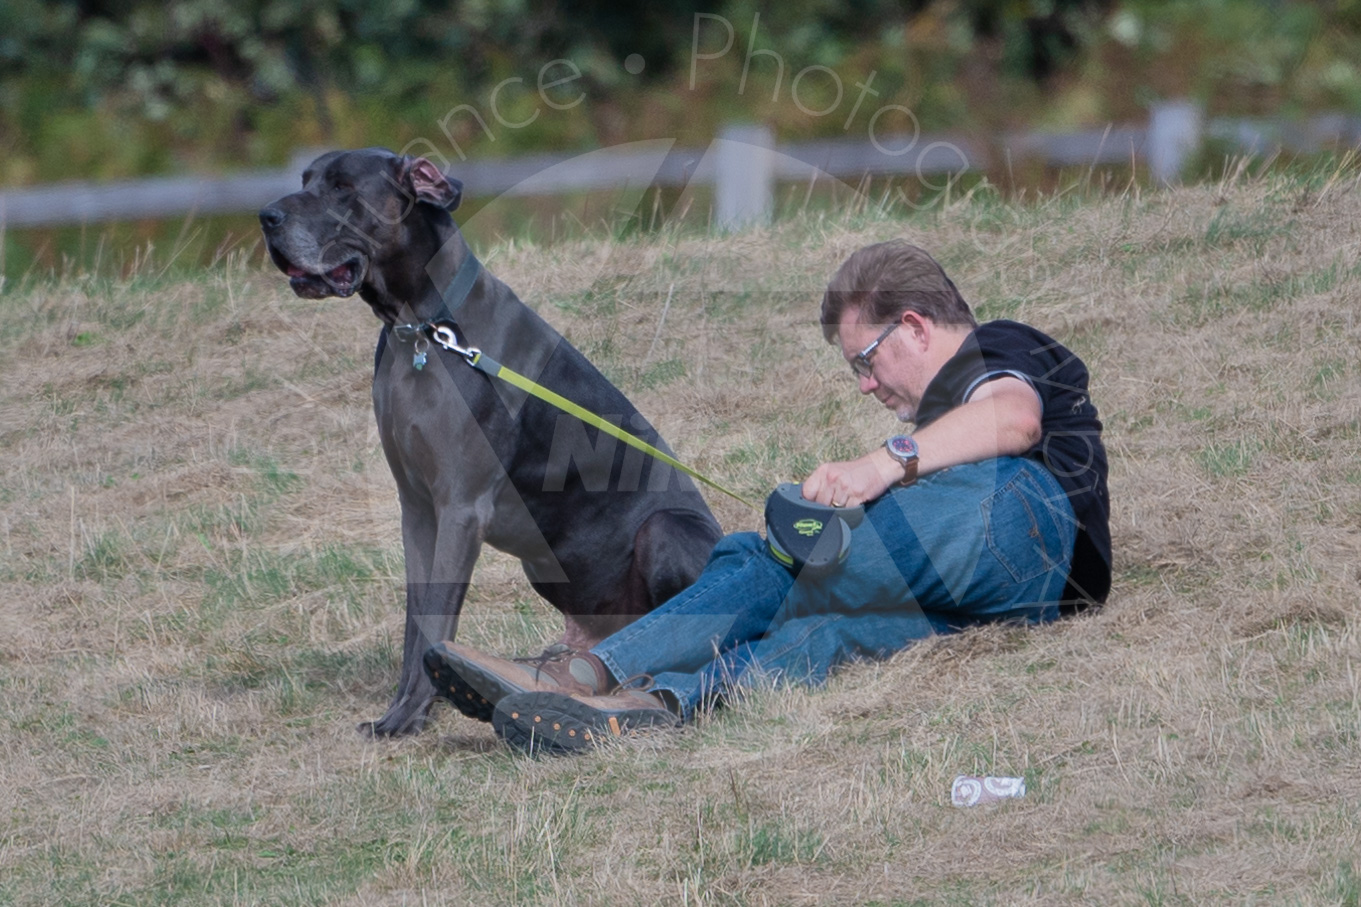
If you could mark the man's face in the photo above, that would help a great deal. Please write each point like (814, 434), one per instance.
(897, 364)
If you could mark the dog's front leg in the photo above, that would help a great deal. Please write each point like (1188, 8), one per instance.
(440, 553)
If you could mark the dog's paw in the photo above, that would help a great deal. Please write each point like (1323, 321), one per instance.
(401, 720)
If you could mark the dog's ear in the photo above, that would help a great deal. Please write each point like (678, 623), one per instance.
(425, 181)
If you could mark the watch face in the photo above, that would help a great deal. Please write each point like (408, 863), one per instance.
(902, 446)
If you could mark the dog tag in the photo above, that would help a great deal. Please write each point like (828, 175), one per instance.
(418, 360)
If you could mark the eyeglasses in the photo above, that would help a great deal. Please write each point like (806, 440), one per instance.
(861, 364)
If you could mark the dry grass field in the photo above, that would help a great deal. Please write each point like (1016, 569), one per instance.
(200, 590)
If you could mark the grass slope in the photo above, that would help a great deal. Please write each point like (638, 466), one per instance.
(200, 573)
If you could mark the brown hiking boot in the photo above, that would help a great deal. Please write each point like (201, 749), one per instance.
(550, 722)
(475, 681)
(452, 687)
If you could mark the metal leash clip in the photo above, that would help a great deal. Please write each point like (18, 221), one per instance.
(447, 336)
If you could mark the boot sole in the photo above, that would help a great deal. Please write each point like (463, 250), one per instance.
(552, 723)
(450, 685)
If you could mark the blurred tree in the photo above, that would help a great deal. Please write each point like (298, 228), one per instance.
(1038, 36)
(161, 52)
(83, 82)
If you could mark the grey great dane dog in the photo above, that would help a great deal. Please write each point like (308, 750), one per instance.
(602, 532)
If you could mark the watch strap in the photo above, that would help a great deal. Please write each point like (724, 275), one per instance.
(909, 472)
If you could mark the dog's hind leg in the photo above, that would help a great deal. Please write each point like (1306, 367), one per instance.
(669, 553)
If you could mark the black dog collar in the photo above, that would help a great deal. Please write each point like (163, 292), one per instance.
(454, 295)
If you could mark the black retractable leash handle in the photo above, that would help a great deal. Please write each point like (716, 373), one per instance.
(805, 536)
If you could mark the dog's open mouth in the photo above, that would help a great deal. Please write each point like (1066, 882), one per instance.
(341, 280)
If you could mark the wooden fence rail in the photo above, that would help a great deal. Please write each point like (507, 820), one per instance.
(743, 165)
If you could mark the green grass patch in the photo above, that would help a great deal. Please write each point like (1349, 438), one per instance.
(660, 374)
(1229, 226)
(1230, 459)
(260, 578)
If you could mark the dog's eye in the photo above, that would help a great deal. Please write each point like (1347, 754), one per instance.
(341, 186)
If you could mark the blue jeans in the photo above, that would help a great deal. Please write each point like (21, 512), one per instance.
(988, 541)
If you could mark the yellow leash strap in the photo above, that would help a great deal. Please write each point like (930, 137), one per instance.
(445, 335)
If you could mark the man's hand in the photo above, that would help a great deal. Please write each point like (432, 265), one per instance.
(1003, 418)
(851, 482)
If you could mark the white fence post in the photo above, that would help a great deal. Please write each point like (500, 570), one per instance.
(744, 188)
(1174, 135)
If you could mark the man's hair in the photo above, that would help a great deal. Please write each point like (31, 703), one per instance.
(887, 279)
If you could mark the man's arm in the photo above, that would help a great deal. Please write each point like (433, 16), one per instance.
(1001, 419)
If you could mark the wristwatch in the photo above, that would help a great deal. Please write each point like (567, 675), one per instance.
(904, 449)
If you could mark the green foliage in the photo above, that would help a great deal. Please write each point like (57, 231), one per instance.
(1257, 50)
(124, 87)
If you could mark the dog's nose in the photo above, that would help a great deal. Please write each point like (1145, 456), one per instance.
(271, 218)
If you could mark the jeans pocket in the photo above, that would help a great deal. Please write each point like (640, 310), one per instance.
(1022, 529)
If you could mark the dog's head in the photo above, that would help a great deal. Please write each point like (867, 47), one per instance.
(353, 206)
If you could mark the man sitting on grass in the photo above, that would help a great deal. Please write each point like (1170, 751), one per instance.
(994, 509)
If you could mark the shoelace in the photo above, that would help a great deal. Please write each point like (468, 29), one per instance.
(638, 683)
(556, 652)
